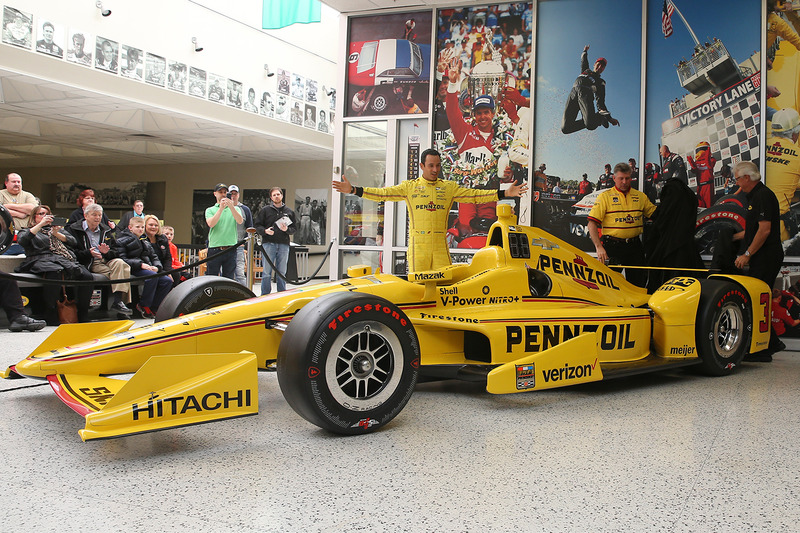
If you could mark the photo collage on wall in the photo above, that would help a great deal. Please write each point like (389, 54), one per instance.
(311, 208)
(482, 107)
(313, 109)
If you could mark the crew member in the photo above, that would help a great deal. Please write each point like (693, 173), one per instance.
(428, 199)
(672, 166)
(620, 211)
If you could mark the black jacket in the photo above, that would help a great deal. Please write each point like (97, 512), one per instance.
(39, 259)
(82, 250)
(267, 217)
(136, 251)
(161, 248)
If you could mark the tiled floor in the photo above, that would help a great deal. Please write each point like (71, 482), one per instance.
(667, 452)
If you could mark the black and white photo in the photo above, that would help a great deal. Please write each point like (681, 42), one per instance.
(177, 76)
(51, 39)
(234, 94)
(79, 47)
(197, 82)
(311, 208)
(310, 118)
(267, 105)
(311, 90)
(155, 70)
(283, 81)
(216, 88)
(322, 122)
(282, 108)
(298, 86)
(132, 62)
(250, 104)
(106, 53)
(17, 27)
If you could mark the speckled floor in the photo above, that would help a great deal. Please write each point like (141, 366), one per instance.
(667, 452)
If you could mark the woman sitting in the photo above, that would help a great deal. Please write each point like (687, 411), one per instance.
(85, 198)
(50, 254)
(169, 233)
(133, 247)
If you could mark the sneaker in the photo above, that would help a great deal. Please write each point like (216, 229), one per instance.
(145, 311)
(26, 323)
(121, 308)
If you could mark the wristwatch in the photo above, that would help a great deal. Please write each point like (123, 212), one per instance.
(747, 253)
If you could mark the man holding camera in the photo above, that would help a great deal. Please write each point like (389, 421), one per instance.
(222, 219)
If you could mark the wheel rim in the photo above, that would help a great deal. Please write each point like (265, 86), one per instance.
(362, 370)
(728, 330)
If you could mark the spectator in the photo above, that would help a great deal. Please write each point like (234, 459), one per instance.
(585, 186)
(222, 219)
(95, 251)
(11, 302)
(138, 211)
(19, 204)
(177, 277)
(158, 241)
(85, 198)
(50, 253)
(782, 322)
(133, 248)
(275, 222)
(241, 234)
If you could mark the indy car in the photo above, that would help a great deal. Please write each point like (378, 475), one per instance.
(529, 313)
(388, 61)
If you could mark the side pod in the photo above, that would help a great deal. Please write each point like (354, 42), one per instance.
(167, 391)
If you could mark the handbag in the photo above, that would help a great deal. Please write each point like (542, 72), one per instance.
(67, 310)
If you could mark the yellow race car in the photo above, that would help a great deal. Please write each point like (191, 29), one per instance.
(530, 312)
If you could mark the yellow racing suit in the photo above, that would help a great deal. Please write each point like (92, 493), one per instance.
(782, 174)
(429, 205)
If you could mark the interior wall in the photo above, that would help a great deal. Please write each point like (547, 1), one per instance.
(178, 181)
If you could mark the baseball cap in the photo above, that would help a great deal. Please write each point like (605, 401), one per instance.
(785, 120)
(233, 188)
(483, 100)
(602, 60)
(219, 186)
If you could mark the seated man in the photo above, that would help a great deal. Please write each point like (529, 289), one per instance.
(11, 302)
(94, 251)
(135, 250)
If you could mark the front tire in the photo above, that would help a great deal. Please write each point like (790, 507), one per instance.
(723, 326)
(200, 293)
(348, 362)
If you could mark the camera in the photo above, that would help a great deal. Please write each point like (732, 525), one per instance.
(228, 195)
(59, 221)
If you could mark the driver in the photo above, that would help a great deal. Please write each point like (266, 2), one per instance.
(429, 199)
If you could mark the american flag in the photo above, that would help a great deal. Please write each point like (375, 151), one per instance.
(666, 18)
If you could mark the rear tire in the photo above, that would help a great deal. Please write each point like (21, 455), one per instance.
(348, 362)
(199, 294)
(723, 327)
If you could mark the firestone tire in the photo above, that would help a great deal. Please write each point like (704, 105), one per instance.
(348, 362)
(726, 215)
(723, 326)
(200, 293)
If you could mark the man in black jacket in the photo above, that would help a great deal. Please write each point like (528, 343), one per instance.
(95, 252)
(275, 222)
(137, 251)
(588, 88)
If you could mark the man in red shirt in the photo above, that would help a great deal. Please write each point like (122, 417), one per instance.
(782, 322)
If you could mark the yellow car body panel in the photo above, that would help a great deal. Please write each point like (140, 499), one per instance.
(527, 302)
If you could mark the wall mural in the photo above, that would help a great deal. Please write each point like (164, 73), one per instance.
(482, 106)
(388, 64)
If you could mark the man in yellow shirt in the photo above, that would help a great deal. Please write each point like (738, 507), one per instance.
(783, 162)
(620, 211)
(429, 199)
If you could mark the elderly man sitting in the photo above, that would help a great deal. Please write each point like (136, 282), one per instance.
(95, 251)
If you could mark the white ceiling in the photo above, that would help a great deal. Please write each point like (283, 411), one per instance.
(354, 6)
(45, 124)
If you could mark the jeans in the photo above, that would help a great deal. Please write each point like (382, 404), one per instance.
(241, 274)
(226, 263)
(155, 289)
(278, 254)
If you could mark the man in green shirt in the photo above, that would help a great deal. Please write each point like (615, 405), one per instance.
(222, 219)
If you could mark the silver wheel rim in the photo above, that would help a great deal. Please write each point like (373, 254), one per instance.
(363, 367)
(728, 329)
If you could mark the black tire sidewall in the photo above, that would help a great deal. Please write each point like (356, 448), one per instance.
(305, 348)
(200, 293)
(715, 294)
